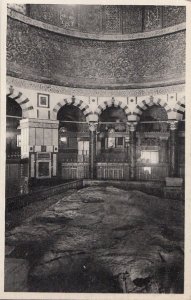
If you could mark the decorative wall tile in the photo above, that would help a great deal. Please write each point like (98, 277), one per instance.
(112, 18)
(152, 17)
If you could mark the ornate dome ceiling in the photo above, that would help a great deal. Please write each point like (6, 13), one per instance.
(98, 46)
(105, 19)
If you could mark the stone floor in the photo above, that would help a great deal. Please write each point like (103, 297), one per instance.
(97, 239)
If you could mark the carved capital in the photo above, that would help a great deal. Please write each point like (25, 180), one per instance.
(173, 125)
(92, 126)
(132, 126)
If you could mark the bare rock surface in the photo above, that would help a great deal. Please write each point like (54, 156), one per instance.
(15, 283)
(104, 239)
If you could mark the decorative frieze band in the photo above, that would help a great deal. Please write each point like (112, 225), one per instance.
(26, 84)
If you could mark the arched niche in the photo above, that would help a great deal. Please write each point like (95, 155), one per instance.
(111, 144)
(13, 133)
(71, 116)
(113, 117)
(73, 134)
(153, 119)
(13, 108)
(152, 143)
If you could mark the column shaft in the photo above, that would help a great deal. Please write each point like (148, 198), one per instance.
(92, 151)
(132, 150)
(173, 150)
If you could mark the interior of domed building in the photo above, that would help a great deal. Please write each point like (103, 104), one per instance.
(95, 148)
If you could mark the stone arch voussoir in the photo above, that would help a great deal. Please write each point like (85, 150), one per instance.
(148, 102)
(179, 109)
(24, 102)
(116, 102)
(84, 107)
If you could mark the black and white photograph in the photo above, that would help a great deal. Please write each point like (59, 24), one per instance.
(94, 143)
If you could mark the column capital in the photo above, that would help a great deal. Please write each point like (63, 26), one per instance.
(92, 118)
(173, 124)
(93, 126)
(132, 125)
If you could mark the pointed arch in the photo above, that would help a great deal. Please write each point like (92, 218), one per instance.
(108, 103)
(179, 109)
(84, 107)
(22, 100)
(148, 102)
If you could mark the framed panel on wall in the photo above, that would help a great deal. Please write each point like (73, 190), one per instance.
(43, 169)
(43, 100)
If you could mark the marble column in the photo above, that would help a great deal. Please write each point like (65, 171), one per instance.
(132, 150)
(173, 149)
(163, 154)
(92, 150)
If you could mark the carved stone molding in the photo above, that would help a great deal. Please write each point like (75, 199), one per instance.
(26, 84)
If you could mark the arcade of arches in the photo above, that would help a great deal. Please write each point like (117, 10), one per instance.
(95, 143)
(105, 101)
(107, 146)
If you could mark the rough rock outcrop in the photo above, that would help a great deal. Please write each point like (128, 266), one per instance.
(104, 239)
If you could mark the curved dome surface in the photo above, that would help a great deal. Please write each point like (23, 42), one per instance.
(47, 56)
(105, 19)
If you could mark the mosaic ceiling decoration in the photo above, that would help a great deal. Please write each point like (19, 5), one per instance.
(105, 19)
